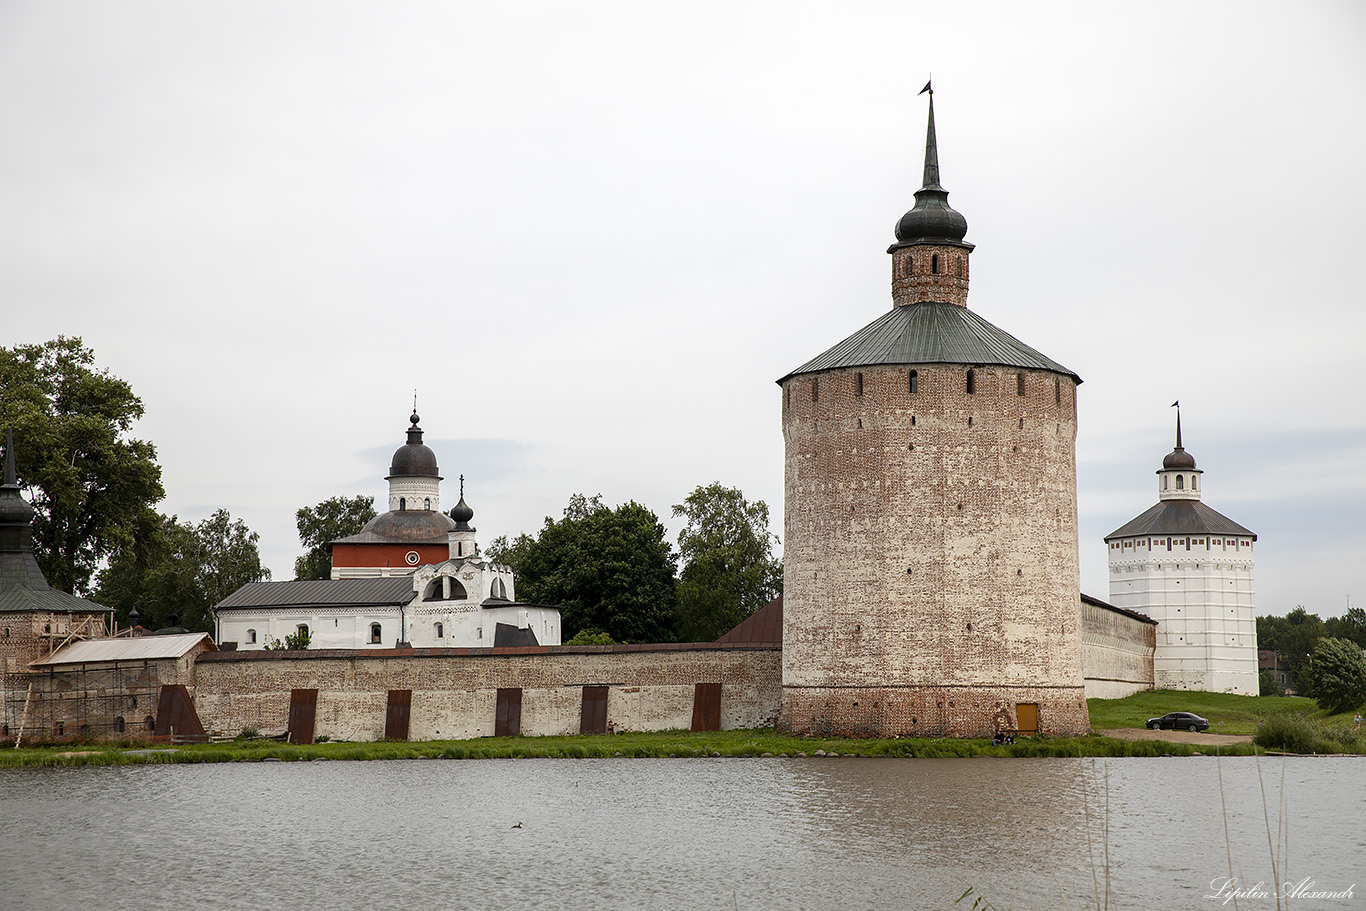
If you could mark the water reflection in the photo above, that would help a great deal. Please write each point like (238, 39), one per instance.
(697, 833)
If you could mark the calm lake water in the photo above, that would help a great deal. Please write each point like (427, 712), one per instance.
(673, 833)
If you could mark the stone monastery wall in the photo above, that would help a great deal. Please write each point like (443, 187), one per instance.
(1117, 652)
(454, 692)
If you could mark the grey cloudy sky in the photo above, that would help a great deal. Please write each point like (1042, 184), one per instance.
(592, 235)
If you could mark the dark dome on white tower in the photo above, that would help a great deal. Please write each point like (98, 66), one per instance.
(413, 458)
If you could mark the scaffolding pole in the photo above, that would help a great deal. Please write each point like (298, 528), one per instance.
(24, 719)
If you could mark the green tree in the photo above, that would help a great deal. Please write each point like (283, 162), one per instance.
(333, 518)
(729, 568)
(92, 485)
(1293, 635)
(1335, 674)
(608, 570)
(591, 637)
(1268, 685)
(1351, 625)
(182, 569)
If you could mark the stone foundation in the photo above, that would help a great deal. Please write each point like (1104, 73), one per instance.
(929, 711)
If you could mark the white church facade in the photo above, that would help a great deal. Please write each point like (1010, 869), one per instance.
(1190, 568)
(412, 578)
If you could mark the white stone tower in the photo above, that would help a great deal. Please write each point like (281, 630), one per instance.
(1190, 569)
(930, 568)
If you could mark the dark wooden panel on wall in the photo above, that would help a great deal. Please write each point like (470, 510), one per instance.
(1027, 717)
(176, 717)
(593, 719)
(507, 721)
(706, 707)
(397, 714)
(303, 711)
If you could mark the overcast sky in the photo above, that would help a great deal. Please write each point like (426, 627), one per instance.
(592, 235)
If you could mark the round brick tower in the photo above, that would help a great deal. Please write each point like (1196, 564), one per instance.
(931, 582)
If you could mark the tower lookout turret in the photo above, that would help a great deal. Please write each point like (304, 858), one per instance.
(930, 257)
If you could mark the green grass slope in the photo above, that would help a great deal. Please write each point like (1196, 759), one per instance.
(1227, 713)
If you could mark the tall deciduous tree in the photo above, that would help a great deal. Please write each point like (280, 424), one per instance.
(729, 570)
(1293, 635)
(183, 570)
(610, 570)
(333, 518)
(1335, 674)
(1351, 625)
(93, 486)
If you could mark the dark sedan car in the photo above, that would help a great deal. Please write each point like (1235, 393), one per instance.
(1179, 721)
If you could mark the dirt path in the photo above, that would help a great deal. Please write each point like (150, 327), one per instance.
(1176, 736)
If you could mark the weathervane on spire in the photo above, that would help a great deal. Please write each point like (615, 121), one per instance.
(927, 87)
(1177, 405)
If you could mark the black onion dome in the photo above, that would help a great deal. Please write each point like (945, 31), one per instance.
(14, 509)
(1179, 458)
(413, 459)
(932, 219)
(462, 514)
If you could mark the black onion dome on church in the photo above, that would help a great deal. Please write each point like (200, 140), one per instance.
(462, 513)
(931, 333)
(932, 219)
(413, 458)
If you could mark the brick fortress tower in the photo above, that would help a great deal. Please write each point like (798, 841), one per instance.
(931, 582)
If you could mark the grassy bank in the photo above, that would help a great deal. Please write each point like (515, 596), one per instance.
(665, 744)
(1227, 713)
(1288, 723)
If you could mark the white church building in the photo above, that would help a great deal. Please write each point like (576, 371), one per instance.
(413, 577)
(1189, 568)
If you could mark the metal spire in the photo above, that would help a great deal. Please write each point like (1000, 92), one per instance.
(932, 219)
(1177, 406)
(931, 147)
(11, 478)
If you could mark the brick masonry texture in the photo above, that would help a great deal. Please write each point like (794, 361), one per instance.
(455, 690)
(914, 281)
(930, 549)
